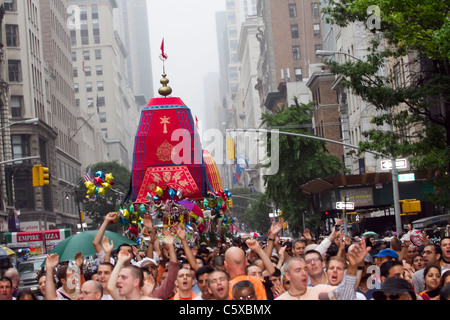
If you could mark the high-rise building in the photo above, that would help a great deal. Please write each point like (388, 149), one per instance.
(36, 58)
(108, 110)
(62, 115)
(291, 35)
(131, 21)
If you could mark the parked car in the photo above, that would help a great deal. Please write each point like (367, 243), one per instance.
(29, 271)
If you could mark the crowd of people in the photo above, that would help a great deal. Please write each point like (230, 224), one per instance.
(335, 267)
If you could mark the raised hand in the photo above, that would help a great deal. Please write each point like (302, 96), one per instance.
(111, 217)
(168, 237)
(124, 256)
(253, 244)
(108, 247)
(180, 231)
(52, 261)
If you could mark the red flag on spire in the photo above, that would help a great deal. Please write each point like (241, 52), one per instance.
(163, 54)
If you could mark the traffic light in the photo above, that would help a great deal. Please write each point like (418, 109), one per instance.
(410, 207)
(41, 176)
(44, 176)
(35, 172)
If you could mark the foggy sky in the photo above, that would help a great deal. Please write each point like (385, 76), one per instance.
(189, 31)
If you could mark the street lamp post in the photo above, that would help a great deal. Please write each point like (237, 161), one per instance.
(332, 53)
(27, 121)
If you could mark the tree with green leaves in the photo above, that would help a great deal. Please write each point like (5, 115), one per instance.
(417, 33)
(96, 207)
(300, 161)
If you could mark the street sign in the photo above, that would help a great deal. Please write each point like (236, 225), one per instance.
(406, 177)
(345, 205)
(399, 163)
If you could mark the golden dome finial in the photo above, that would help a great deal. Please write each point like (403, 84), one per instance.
(165, 90)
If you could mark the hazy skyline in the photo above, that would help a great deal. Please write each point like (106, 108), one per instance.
(189, 32)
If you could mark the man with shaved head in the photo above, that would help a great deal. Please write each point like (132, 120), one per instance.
(235, 263)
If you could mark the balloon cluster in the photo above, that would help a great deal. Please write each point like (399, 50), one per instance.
(102, 182)
(168, 193)
(217, 215)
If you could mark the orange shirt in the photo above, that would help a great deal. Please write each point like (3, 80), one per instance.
(257, 283)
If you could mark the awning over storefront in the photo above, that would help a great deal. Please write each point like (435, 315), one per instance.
(36, 239)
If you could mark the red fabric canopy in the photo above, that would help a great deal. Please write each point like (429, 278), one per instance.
(167, 142)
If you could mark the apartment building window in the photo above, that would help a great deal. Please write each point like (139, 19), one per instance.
(12, 35)
(294, 31)
(296, 52)
(316, 28)
(77, 102)
(233, 74)
(99, 70)
(298, 74)
(232, 32)
(10, 5)
(100, 86)
(75, 72)
(231, 18)
(84, 37)
(20, 145)
(230, 4)
(102, 116)
(14, 71)
(98, 54)
(398, 75)
(87, 71)
(101, 102)
(317, 47)
(87, 55)
(74, 56)
(88, 86)
(73, 37)
(16, 106)
(90, 103)
(96, 33)
(293, 10)
(234, 44)
(315, 9)
(83, 13)
(76, 87)
(94, 9)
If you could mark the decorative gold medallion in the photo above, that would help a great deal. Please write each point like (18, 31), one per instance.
(164, 151)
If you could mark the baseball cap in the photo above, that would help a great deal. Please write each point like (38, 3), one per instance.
(387, 253)
(145, 262)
